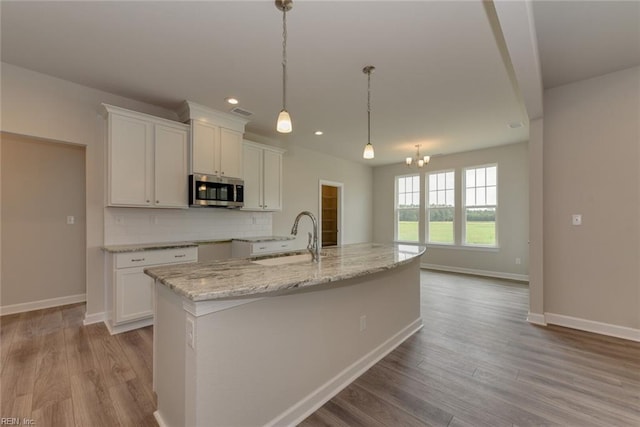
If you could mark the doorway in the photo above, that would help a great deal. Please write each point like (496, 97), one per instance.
(43, 223)
(330, 213)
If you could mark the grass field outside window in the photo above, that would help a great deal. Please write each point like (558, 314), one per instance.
(478, 233)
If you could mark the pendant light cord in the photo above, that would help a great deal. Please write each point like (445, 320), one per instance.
(369, 107)
(284, 59)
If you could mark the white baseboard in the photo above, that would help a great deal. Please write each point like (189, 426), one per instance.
(592, 326)
(313, 401)
(94, 318)
(536, 319)
(127, 326)
(475, 272)
(39, 305)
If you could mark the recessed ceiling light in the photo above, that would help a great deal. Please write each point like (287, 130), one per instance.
(232, 101)
(515, 125)
(318, 132)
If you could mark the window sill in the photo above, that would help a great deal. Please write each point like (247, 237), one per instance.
(465, 247)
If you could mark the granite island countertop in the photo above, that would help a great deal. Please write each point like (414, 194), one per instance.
(242, 277)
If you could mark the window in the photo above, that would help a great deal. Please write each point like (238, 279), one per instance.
(481, 190)
(441, 207)
(407, 208)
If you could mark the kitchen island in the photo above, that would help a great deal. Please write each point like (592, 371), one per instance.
(249, 342)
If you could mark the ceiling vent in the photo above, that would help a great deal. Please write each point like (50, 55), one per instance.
(241, 112)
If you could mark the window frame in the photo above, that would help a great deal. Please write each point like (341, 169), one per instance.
(396, 209)
(427, 208)
(464, 207)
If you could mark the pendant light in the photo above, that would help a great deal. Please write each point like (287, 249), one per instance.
(284, 119)
(368, 149)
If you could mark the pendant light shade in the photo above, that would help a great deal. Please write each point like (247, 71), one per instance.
(368, 149)
(284, 124)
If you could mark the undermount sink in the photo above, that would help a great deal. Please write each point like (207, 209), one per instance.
(287, 259)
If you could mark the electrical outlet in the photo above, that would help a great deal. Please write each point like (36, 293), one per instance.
(71, 219)
(191, 333)
(153, 219)
(518, 261)
(363, 323)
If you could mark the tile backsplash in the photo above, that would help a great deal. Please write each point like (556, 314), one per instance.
(124, 226)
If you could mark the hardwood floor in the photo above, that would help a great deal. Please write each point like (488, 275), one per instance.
(477, 362)
(57, 372)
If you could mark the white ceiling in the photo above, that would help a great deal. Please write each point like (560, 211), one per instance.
(583, 39)
(440, 79)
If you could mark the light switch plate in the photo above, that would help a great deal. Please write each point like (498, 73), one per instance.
(576, 219)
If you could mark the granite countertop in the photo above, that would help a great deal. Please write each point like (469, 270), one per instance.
(173, 245)
(147, 247)
(243, 277)
(264, 239)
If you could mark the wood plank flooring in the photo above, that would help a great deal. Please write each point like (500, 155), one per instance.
(477, 362)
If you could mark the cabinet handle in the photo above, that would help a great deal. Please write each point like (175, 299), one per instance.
(262, 247)
(284, 246)
(221, 173)
(148, 201)
(137, 259)
(180, 256)
(157, 201)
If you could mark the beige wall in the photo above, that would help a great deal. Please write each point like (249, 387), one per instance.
(43, 256)
(45, 107)
(513, 210)
(591, 167)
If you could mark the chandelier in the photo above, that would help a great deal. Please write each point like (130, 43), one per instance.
(418, 161)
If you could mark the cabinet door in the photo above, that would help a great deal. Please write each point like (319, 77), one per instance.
(272, 184)
(230, 153)
(130, 161)
(171, 174)
(252, 160)
(134, 295)
(206, 148)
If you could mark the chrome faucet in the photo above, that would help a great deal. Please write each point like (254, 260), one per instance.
(312, 246)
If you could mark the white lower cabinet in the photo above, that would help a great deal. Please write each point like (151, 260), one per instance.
(130, 297)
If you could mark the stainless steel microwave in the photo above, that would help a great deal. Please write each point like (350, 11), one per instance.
(209, 190)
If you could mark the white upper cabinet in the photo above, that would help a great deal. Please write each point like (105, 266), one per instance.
(216, 150)
(171, 148)
(146, 161)
(216, 141)
(262, 177)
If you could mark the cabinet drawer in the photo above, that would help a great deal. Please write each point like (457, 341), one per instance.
(268, 247)
(155, 257)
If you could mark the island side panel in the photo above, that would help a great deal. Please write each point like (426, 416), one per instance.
(169, 358)
(272, 361)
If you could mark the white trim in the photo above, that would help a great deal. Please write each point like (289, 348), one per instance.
(159, 419)
(45, 303)
(473, 271)
(129, 326)
(314, 400)
(90, 319)
(536, 319)
(464, 247)
(202, 308)
(593, 326)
